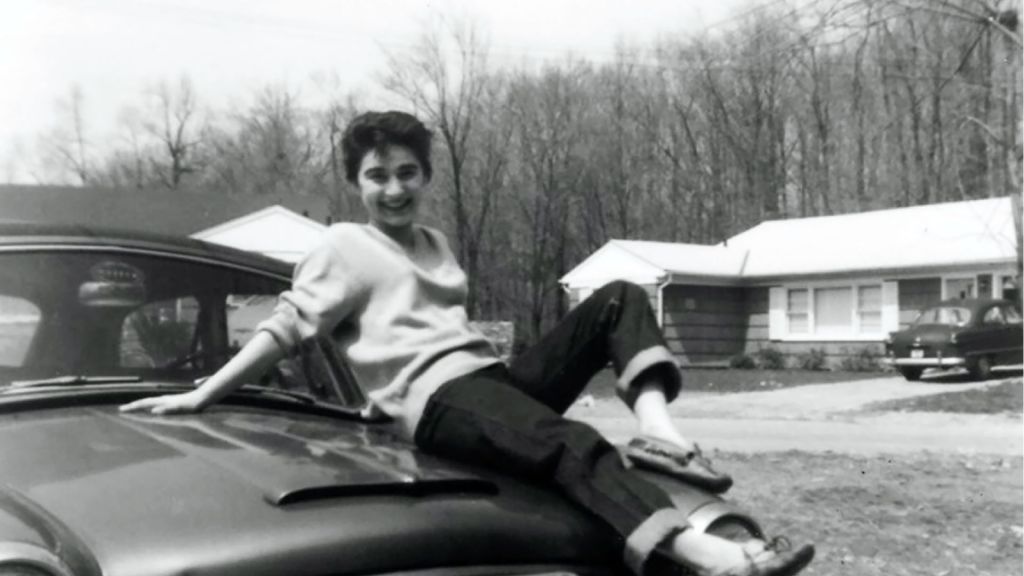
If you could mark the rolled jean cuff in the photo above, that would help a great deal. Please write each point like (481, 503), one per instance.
(643, 360)
(658, 529)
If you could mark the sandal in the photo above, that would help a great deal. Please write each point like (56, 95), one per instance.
(777, 559)
(689, 466)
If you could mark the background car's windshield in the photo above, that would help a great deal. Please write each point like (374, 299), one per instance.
(161, 318)
(947, 315)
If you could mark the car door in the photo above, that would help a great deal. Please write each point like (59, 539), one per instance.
(1013, 338)
(995, 337)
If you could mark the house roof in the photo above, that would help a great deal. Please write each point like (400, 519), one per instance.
(938, 235)
(650, 262)
(274, 231)
(176, 213)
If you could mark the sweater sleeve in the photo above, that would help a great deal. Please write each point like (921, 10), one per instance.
(322, 295)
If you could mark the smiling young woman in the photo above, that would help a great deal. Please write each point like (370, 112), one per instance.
(391, 296)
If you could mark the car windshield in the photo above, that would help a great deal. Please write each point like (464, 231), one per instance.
(945, 315)
(80, 317)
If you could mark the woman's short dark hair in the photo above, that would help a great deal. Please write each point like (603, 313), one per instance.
(380, 130)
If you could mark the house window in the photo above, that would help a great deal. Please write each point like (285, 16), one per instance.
(984, 286)
(869, 309)
(834, 312)
(1008, 288)
(797, 311)
(959, 288)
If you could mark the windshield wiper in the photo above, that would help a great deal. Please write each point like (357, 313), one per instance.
(74, 380)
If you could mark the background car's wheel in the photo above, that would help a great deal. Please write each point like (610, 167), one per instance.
(911, 373)
(981, 368)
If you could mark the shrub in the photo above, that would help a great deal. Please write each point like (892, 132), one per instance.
(771, 358)
(742, 362)
(813, 359)
(865, 359)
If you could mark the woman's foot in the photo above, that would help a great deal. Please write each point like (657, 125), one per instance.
(708, 555)
(661, 447)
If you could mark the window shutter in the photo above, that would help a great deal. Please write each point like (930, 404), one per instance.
(890, 306)
(776, 312)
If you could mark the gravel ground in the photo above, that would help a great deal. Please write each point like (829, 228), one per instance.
(917, 514)
(878, 493)
(823, 418)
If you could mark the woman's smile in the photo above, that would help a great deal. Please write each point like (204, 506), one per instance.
(391, 183)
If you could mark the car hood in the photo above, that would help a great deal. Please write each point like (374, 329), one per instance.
(251, 491)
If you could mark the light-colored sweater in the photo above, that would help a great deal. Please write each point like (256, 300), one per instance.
(397, 316)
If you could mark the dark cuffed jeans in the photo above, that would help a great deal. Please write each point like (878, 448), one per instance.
(511, 418)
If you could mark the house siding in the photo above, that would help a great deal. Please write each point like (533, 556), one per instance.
(705, 324)
(651, 289)
(914, 295)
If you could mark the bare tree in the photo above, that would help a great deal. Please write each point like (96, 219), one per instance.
(333, 120)
(550, 115)
(174, 124)
(444, 78)
(66, 147)
(269, 148)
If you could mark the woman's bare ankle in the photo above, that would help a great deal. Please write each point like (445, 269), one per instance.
(668, 434)
(651, 411)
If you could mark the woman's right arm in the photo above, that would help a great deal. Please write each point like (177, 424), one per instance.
(320, 297)
(251, 362)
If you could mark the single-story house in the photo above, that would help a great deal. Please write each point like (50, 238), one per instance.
(274, 231)
(837, 284)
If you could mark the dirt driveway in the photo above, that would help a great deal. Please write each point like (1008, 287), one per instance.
(824, 418)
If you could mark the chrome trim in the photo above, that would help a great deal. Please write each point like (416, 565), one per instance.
(143, 252)
(954, 361)
(34, 556)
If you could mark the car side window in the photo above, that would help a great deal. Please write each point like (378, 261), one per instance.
(1011, 315)
(19, 320)
(994, 317)
(158, 332)
(244, 312)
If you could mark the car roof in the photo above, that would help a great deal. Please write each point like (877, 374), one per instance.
(18, 233)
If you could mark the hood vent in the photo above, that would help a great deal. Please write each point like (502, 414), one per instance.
(409, 487)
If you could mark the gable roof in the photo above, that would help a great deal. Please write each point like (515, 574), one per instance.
(974, 232)
(171, 212)
(935, 235)
(650, 262)
(274, 231)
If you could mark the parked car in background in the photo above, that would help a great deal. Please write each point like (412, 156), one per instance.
(976, 334)
(283, 477)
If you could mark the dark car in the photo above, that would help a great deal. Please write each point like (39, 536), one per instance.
(284, 477)
(976, 334)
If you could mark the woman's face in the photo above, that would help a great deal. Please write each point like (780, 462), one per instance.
(391, 185)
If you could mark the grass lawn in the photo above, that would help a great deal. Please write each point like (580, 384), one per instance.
(728, 380)
(1007, 397)
(923, 514)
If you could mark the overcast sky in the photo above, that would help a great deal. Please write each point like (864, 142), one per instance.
(115, 49)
